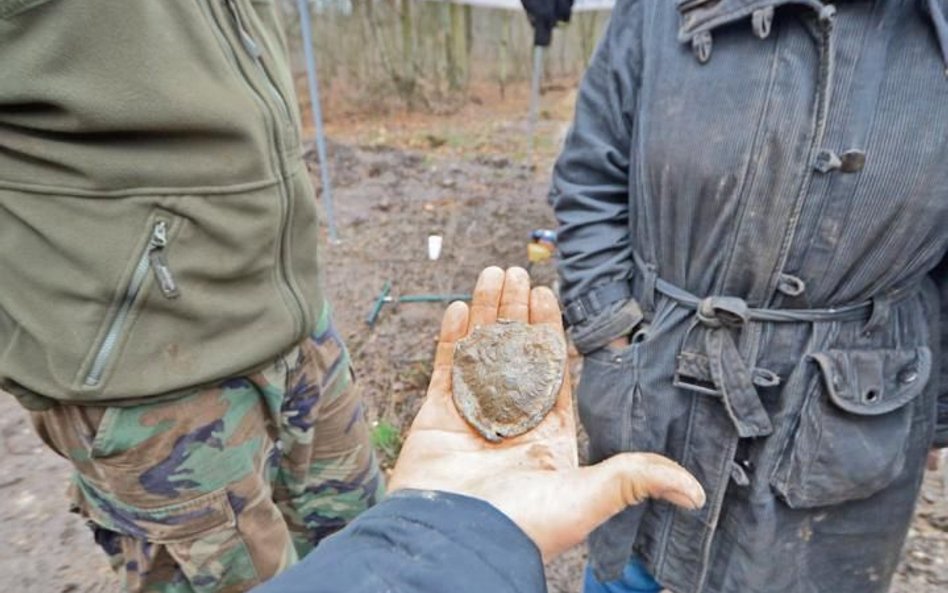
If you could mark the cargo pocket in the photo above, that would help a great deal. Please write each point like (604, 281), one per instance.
(183, 482)
(607, 400)
(854, 427)
(200, 535)
(174, 523)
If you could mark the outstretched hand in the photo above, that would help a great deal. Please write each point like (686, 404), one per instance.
(534, 479)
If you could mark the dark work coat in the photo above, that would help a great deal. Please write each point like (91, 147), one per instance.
(757, 192)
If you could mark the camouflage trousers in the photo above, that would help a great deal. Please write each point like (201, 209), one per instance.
(220, 490)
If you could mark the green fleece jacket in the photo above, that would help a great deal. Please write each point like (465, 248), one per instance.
(158, 229)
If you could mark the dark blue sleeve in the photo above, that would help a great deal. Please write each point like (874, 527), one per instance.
(420, 542)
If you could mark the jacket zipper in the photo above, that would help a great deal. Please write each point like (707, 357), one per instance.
(158, 261)
(153, 257)
(252, 48)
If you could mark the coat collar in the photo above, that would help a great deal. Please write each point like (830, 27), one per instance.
(938, 13)
(699, 17)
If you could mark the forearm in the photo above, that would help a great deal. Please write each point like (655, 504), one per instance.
(591, 195)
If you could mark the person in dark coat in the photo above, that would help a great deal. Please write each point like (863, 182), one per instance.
(753, 222)
(468, 516)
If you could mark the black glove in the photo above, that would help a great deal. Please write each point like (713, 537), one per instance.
(543, 15)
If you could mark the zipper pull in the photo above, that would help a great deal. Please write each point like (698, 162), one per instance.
(245, 37)
(159, 264)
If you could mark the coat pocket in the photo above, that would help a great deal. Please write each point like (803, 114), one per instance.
(607, 399)
(854, 427)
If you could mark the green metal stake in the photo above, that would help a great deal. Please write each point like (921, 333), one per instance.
(432, 298)
(386, 297)
(379, 303)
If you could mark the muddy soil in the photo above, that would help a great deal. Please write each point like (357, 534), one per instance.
(387, 202)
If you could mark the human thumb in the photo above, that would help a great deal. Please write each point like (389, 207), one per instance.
(628, 479)
(572, 503)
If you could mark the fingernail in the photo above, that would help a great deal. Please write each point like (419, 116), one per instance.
(697, 496)
(681, 499)
(690, 496)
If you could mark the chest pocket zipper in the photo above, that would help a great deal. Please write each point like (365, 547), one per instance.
(153, 258)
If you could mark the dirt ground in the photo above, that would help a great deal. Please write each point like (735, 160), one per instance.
(389, 195)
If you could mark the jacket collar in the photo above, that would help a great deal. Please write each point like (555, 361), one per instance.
(699, 17)
(938, 13)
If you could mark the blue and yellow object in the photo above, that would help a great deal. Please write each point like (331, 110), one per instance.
(542, 246)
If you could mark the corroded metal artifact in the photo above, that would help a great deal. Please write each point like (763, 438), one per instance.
(506, 377)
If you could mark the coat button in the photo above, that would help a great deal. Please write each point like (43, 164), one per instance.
(852, 161)
(826, 161)
(908, 375)
(837, 382)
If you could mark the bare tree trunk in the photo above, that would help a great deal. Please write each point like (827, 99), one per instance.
(586, 23)
(408, 34)
(360, 13)
(409, 68)
(405, 86)
(457, 47)
(504, 50)
(468, 32)
(430, 37)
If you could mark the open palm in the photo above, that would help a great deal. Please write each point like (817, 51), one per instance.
(535, 478)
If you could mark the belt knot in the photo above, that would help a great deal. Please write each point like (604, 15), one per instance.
(722, 311)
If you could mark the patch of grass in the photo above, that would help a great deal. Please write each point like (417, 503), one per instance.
(387, 439)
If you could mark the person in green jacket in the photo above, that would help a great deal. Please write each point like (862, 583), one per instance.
(161, 312)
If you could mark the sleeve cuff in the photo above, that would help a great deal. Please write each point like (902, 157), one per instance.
(616, 321)
(941, 438)
(941, 425)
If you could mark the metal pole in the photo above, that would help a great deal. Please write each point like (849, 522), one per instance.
(306, 27)
(534, 100)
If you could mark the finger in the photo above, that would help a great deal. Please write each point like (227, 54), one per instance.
(515, 298)
(453, 327)
(545, 310)
(631, 478)
(486, 299)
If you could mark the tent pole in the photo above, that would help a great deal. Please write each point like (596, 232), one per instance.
(534, 100)
(307, 30)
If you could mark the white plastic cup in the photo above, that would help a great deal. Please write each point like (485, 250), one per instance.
(434, 247)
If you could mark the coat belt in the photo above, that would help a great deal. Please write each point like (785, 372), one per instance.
(724, 316)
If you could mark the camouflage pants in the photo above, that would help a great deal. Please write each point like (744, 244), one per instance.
(222, 489)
